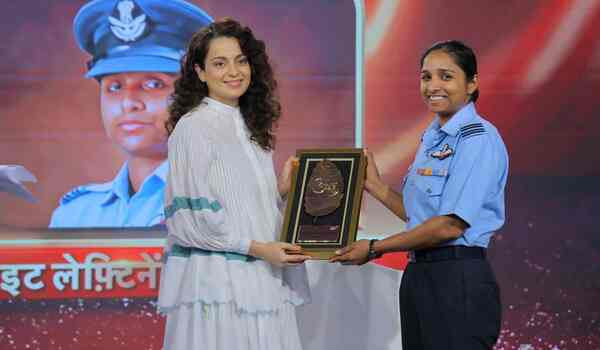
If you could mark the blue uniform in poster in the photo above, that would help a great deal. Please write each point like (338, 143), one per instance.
(111, 205)
(460, 168)
(135, 48)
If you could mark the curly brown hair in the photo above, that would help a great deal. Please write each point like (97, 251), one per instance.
(259, 105)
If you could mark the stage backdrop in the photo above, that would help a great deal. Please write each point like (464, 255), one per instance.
(539, 67)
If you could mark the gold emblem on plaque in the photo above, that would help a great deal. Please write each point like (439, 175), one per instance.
(325, 189)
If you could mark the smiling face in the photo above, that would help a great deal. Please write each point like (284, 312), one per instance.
(226, 71)
(134, 111)
(444, 85)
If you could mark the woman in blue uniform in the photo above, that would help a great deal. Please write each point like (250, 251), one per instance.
(452, 201)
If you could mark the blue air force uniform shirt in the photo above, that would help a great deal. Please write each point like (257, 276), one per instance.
(110, 204)
(460, 168)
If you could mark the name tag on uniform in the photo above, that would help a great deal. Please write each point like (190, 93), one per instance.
(432, 172)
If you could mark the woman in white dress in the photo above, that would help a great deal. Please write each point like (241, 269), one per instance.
(227, 283)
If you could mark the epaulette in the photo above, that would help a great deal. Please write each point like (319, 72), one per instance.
(470, 130)
(83, 189)
(74, 193)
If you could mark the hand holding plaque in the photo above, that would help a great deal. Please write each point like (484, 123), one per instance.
(324, 200)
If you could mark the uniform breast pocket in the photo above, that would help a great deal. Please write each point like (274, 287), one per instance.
(431, 183)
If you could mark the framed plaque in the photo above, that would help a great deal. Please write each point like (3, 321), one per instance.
(323, 205)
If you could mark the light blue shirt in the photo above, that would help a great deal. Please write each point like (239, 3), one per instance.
(461, 169)
(110, 205)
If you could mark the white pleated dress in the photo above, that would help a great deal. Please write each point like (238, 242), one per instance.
(221, 194)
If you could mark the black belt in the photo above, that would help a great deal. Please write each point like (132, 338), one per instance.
(448, 253)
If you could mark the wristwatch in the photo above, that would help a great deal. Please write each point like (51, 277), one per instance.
(372, 254)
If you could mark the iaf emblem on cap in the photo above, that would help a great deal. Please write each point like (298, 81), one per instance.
(130, 22)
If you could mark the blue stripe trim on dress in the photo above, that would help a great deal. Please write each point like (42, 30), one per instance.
(200, 203)
(186, 252)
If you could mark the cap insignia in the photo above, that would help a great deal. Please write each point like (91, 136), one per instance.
(127, 27)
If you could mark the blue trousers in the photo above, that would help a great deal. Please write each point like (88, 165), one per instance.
(451, 304)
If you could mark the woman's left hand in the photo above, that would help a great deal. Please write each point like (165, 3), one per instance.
(354, 254)
(284, 183)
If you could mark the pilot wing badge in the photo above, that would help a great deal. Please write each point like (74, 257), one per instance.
(127, 27)
(443, 153)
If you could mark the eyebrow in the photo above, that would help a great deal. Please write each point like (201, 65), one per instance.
(225, 58)
(440, 69)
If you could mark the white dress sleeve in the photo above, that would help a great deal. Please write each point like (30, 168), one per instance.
(193, 210)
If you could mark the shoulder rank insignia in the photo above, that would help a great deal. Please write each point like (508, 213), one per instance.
(74, 193)
(83, 189)
(472, 130)
(443, 153)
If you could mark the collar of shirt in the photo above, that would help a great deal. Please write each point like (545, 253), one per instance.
(227, 110)
(220, 106)
(120, 184)
(432, 135)
(235, 113)
(435, 133)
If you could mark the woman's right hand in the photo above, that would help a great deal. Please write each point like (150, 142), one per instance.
(278, 253)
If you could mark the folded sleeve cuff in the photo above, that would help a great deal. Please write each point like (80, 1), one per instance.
(242, 246)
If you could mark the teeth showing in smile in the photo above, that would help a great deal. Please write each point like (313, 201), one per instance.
(436, 98)
(131, 127)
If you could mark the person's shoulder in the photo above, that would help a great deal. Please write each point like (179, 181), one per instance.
(477, 128)
(85, 192)
(473, 128)
(80, 206)
(201, 124)
(199, 114)
(474, 135)
(198, 117)
(479, 134)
